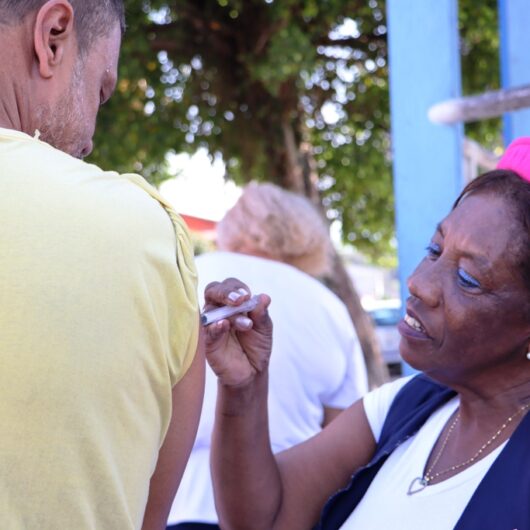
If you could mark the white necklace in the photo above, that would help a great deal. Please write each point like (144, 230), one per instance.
(420, 483)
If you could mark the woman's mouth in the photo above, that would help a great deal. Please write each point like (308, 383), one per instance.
(411, 327)
(413, 323)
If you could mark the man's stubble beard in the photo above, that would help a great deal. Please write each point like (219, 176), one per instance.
(61, 125)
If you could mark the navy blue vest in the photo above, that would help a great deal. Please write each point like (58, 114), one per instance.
(502, 499)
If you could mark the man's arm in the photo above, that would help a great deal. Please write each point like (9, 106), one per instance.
(173, 456)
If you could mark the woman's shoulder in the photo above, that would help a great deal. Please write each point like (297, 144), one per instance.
(377, 403)
(407, 393)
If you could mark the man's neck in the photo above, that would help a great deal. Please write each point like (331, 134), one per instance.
(14, 110)
(8, 118)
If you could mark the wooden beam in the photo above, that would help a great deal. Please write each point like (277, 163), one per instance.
(477, 159)
(487, 105)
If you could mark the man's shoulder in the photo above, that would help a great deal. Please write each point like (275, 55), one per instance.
(55, 183)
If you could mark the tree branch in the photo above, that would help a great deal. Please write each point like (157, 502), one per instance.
(362, 42)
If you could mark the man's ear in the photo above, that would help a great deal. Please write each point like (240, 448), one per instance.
(53, 34)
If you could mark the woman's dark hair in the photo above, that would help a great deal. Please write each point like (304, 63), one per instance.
(510, 186)
(93, 18)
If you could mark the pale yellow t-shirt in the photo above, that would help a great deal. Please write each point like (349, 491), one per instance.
(98, 321)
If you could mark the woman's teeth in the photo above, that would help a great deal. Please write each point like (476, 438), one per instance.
(413, 323)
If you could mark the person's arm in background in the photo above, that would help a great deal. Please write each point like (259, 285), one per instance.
(330, 413)
(187, 399)
(354, 384)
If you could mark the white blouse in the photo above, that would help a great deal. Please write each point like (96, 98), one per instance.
(386, 504)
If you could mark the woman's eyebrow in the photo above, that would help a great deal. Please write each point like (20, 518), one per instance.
(482, 261)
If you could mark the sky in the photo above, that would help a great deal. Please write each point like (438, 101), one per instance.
(199, 189)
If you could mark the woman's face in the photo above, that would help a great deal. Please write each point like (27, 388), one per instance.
(467, 313)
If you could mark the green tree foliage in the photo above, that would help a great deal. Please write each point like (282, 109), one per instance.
(290, 91)
(480, 62)
(274, 87)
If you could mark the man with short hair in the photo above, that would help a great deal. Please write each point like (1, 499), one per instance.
(102, 377)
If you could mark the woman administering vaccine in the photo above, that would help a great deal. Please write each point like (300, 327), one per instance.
(449, 448)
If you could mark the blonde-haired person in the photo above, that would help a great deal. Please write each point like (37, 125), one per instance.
(273, 240)
(271, 222)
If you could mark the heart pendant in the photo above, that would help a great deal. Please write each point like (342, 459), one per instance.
(417, 485)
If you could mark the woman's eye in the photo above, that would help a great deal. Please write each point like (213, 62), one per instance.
(466, 280)
(433, 250)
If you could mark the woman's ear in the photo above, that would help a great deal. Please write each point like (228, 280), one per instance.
(54, 35)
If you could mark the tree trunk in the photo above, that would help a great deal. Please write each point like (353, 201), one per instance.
(339, 281)
(301, 177)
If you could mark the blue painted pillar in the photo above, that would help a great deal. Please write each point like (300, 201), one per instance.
(427, 159)
(514, 22)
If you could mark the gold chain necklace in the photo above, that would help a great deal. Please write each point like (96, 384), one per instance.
(420, 483)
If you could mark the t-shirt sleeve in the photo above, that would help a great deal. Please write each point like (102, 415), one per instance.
(355, 382)
(181, 292)
(185, 334)
(377, 403)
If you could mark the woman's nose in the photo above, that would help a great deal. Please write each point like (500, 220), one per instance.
(424, 283)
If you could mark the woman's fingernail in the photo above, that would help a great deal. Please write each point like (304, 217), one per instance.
(244, 322)
(234, 295)
(243, 292)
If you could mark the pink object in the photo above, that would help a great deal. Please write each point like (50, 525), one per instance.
(517, 158)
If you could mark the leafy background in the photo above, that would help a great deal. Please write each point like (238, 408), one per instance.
(293, 91)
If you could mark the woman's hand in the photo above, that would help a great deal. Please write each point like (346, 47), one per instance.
(238, 349)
